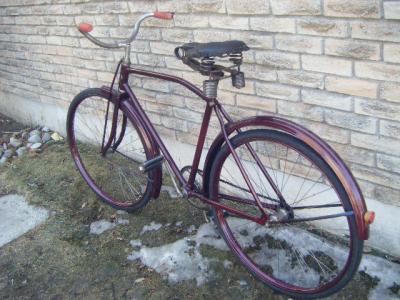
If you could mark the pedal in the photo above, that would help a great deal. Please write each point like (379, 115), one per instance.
(151, 164)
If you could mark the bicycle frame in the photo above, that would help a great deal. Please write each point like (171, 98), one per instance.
(130, 102)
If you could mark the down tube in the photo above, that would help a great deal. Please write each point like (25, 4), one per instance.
(149, 126)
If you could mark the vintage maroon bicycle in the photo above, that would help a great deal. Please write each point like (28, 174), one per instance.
(284, 201)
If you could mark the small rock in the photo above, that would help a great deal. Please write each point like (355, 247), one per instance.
(34, 139)
(21, 151)
(100, 226)
(25, 135)
(5, 146)
(46, 137)
(8, 153)
(36, 146)
(139, 280)
(3, 161)
(122, 212)
(5, 138)
(29, 145)
(34, 132)
(242, 282)
(55, 136)
(15, 142)
(45, 129)
(1, 152)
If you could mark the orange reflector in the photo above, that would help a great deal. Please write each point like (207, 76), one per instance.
(369, 217)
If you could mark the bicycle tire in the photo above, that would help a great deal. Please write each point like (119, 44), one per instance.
(274, 240)
(132, 189)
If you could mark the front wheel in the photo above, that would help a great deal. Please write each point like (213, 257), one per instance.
(309, 247)
(114, 175)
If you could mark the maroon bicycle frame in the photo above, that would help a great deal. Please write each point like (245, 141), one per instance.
(129, 103)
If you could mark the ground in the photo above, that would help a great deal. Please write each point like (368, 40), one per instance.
(9, 125)
(61, 259)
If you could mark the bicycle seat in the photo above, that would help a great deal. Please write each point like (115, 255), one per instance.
(200, 50)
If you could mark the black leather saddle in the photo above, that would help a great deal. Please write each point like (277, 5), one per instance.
(208, 50)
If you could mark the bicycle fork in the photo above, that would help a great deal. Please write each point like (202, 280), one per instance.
(113, 132)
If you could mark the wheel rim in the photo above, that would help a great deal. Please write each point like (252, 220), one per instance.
(115, 177)
(296, 258)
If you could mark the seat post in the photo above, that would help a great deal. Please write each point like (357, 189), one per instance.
(210, 88)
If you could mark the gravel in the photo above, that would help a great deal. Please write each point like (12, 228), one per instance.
(21, 151)
(46, 137)
(36, 146)
(15, 142)
(35, 139)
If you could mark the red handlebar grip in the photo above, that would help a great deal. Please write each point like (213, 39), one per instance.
(164, 15)
(85, 27)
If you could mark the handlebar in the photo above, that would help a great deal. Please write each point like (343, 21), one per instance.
(85, 28)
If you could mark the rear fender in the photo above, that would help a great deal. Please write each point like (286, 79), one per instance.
(322, 148)
(147, 140)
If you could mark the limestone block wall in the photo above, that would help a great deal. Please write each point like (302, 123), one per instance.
(331, 65)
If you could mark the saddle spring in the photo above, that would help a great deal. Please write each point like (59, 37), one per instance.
(207, 66)
(210, 88)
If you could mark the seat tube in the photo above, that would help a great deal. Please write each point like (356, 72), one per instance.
(200, 145)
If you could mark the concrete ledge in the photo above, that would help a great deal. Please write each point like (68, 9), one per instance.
(18, 217)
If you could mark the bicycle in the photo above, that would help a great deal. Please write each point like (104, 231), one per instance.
(283, 200)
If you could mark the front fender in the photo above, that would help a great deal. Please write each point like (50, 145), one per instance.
(147, 140)
(322, 148)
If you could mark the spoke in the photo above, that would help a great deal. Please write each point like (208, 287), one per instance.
(312, 195)
(92, 127)
(284, 169)
(122, 187)
(291, 170)
(304, 181)
(306, 193)
(261, 186)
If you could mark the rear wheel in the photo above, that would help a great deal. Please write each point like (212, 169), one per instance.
(113, 176)
(302, 251)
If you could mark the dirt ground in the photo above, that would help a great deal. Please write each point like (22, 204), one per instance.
(9, 125)
(60, 259)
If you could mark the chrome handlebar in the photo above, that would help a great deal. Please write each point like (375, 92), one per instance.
(85, 28)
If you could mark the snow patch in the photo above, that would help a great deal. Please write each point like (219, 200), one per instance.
(387, 272)
(191, 228)
(122, 221)
(98, 227)
(182, 259)
(135, 243)
(227, 264)
(151, 227)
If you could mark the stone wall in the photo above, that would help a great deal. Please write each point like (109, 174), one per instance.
(331, 65)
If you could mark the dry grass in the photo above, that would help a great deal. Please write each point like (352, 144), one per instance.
(59, 259)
